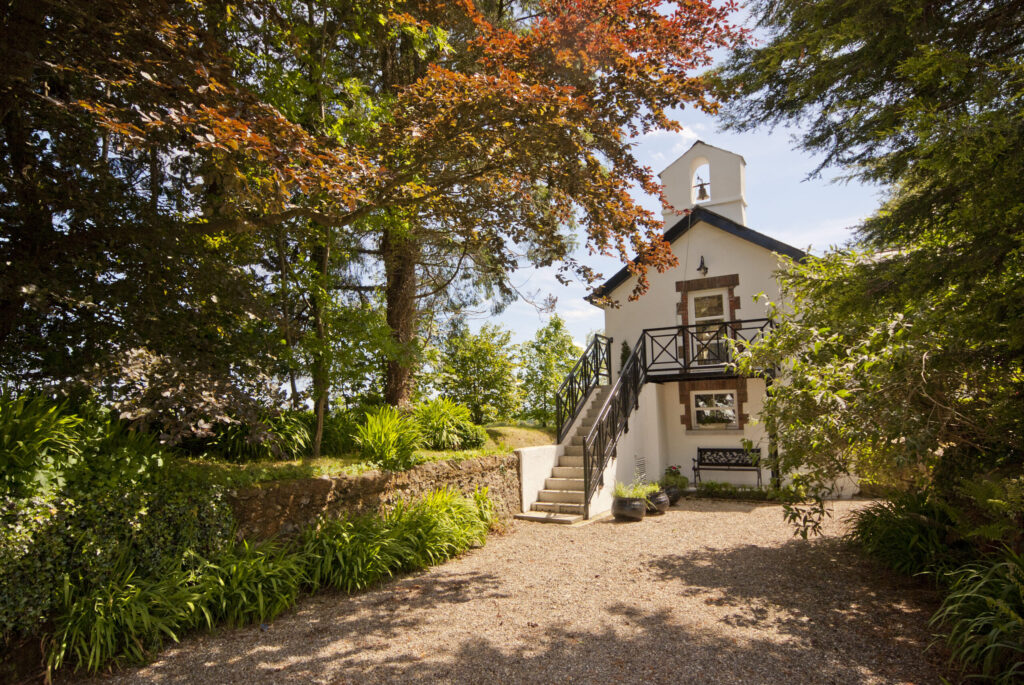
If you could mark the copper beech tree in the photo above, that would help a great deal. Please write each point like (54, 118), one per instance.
(435, 145)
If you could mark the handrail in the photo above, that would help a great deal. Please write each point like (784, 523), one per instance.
(691, 349)
(594, 364)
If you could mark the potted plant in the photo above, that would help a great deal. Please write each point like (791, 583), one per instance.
(674, 483)
(657, 500)
(629, 501)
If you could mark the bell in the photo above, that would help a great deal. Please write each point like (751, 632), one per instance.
(702, 191)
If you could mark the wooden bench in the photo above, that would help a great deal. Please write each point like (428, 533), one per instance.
(726, 459)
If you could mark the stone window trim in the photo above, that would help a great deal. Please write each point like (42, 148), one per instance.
(728, 282)
(736, 385)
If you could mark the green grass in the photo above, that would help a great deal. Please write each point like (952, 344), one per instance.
(502, 439)
(245, 475)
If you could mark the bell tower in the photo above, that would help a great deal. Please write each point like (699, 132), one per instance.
(706, 176)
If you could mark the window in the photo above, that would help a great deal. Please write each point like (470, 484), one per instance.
(708, 344)
(714, 410)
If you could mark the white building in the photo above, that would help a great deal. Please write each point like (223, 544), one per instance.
(677, 398)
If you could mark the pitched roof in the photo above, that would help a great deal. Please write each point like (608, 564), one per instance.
(718, 221)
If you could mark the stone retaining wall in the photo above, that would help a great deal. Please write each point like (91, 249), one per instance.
(285, 507)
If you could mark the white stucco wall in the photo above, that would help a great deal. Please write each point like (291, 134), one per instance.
(535, 464)
(723, 254)
(656, 430)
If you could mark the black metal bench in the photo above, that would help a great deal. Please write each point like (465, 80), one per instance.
(726, 459)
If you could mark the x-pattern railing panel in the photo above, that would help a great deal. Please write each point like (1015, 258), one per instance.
(588, 372)
(659, 350)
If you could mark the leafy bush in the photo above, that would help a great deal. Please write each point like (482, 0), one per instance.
(909, 533)
(472, 436)
(117, 505)
(353, 554)
(984, 613)
(129, 616)
(674, 476)
(38, 440)
(439, 421)
(634, 490)
(388, 439)
(285, 436)
(124, 620)
(251, 583)
(448, 425)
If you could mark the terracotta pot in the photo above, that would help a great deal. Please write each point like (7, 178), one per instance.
(657, 503)
(629, 508)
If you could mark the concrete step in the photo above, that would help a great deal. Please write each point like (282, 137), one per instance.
(569, 460)
(567, 472)
(563, 483)
(558, 507)
(573, 450)
(561, 496)
(549, 517)
(577, 439)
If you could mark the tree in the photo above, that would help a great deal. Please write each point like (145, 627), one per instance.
(909, 345)
(226, 177)
(479, 370)
(546, 361)
(478, 134)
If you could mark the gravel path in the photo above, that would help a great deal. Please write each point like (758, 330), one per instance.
(711, 592)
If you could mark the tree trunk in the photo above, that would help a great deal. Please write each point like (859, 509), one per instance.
(400, 253)
(320, 368)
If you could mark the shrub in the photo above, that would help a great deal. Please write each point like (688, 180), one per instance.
(124, 620)
(251, 583)
(356, 553)
(674, 476)
(984, 613)
(38, 440)
(448, 425)
(908, 533)
(284, 436)
(472, 436)
(118, 506)
(388, 439)
(32, 550)
(128, 616)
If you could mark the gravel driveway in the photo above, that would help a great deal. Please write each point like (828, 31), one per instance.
(711, 592)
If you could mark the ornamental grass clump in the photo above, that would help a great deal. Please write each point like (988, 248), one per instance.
(130, 616)
(909, 533)
(984, 616)
(357, 553)
(388, 439)
(634, 490)
(251, 583)
(444, 424)
(123, 621)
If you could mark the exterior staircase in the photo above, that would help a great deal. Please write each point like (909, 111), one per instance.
(561, 500)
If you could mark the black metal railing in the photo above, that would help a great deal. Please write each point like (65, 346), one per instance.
(667, 352)
(594, 366)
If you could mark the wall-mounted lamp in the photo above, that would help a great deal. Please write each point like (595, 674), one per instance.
(703, 268)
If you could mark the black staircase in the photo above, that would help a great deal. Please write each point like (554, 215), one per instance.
(660, 355)
(590, 369)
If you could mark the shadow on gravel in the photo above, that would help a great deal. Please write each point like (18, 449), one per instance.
(826, 617)
(793, 613)
(644, 648)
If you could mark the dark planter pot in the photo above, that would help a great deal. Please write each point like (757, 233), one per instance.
(629, 508)
(673, 494)
(657, 503)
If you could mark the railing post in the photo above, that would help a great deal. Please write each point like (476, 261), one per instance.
(586, 482)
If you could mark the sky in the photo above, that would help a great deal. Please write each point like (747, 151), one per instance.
(782, 202)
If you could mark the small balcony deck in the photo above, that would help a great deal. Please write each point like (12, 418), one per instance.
(697, 351)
